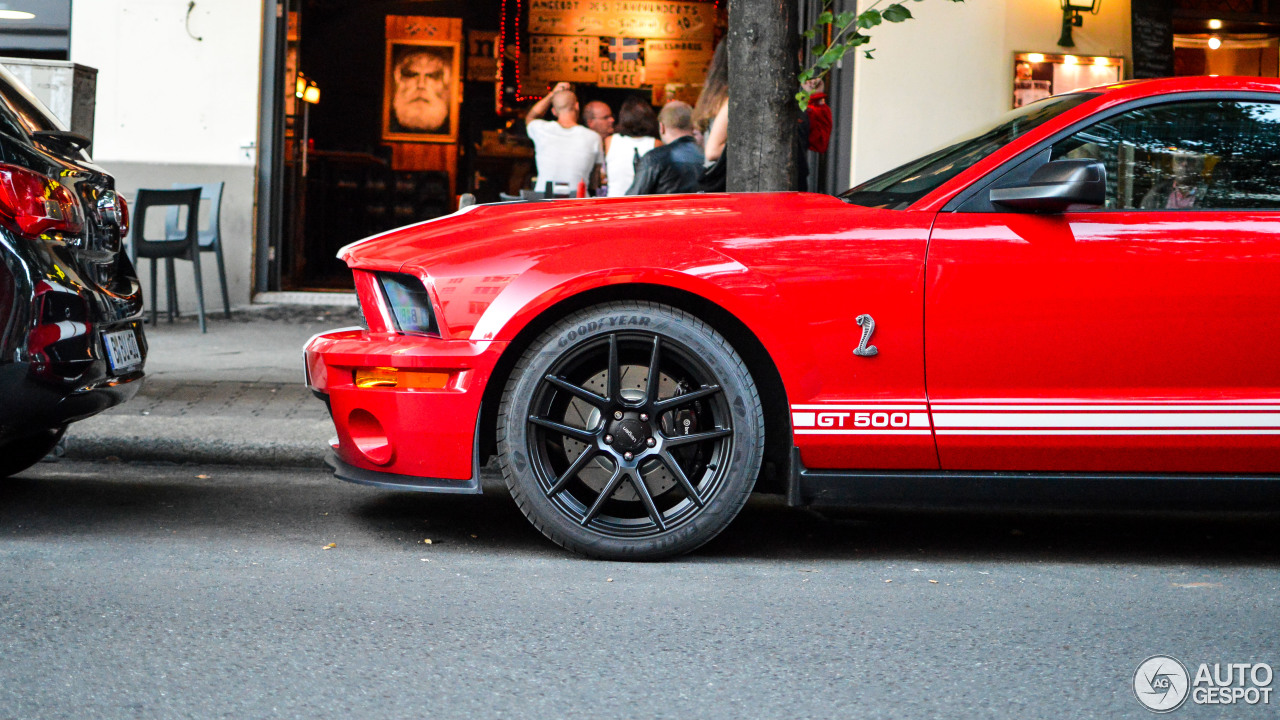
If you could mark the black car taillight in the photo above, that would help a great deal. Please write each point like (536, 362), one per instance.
(38, 205)
(409, 303)
(122, 214)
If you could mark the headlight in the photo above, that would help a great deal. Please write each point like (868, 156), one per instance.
(409, 302)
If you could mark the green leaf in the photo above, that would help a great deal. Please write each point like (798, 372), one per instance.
(802, 97)
(896, 13)
(806, 75)
(856, 40)
(825, 18)
(845, 19)
(867, 53)
(807, 34)
(869, 19)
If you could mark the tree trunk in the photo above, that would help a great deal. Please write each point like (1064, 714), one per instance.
(762, 147)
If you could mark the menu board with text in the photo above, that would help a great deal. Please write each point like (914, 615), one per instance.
(677, 61)
(553, 58)
(623, 18)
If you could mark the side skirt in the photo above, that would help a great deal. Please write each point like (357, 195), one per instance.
(963, 490)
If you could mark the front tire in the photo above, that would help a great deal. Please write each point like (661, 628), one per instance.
(630, 431)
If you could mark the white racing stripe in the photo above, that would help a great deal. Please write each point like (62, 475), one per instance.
(1245, 417)
(1104, 431)
(891, 417)
(1080, 420)
(1084, 407)
(890, 431)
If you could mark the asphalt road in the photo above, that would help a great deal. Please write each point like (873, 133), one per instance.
(149, 591)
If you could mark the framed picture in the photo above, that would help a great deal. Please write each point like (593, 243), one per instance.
(422, 91)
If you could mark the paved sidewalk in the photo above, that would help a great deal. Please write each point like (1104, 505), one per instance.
(234, 395)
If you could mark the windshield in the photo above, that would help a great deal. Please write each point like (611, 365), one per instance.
(898, 188)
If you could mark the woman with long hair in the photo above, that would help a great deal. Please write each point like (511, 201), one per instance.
(711, 114)
(635, 135)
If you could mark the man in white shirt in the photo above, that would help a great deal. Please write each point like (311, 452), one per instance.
(564, 151)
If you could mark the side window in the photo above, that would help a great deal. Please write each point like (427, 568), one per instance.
(1201, 155)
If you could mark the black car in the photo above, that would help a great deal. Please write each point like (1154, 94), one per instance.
(71, 340)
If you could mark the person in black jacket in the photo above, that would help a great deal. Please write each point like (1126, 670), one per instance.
(676, 165)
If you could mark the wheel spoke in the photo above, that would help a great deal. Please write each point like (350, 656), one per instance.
(678, 440)
(681, 478)
(651, 392)
(614, 385)
(662, 406)
(576, 467)
(578, 434)
(578, 392)
(646, 497)
(609, 487)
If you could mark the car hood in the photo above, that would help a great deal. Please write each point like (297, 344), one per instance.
(509, 237)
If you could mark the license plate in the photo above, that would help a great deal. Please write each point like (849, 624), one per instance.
(122, 349)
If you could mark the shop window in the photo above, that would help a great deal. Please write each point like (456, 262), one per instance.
(1038, 75)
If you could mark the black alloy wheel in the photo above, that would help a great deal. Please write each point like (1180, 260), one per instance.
(630, 431)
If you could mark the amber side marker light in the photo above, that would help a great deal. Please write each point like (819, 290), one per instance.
(397, 378)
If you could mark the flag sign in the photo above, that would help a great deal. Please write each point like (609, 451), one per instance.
(619, 49)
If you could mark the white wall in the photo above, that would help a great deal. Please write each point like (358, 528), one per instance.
(164, 96)
(171, 108)
(950, 69)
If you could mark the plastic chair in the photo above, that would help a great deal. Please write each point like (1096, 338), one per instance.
(185, 247)
(210, 239)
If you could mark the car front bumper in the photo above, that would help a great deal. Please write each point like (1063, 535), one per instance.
(420, 439)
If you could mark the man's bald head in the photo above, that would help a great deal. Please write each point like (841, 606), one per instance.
(564, 105)
(675, 120)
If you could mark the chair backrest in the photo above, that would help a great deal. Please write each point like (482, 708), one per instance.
(210, 193)
(184, 241)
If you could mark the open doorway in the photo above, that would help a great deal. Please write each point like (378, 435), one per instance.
(1238, 39)
(352, 168)
(1252, 54)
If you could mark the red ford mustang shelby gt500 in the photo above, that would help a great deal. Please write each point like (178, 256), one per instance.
(1085, 294)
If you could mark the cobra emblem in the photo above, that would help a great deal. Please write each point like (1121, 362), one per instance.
(868, 327)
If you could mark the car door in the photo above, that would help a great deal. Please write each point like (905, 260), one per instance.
(1139, 336)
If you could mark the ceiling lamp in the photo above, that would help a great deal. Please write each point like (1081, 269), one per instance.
(16, 15)
(1215, 43)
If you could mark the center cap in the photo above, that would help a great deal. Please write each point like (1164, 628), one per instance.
(629, 434)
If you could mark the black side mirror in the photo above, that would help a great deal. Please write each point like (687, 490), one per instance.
(1056, 186)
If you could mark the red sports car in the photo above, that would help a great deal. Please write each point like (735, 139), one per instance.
(1084, 294)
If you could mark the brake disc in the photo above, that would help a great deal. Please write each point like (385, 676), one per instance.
(579, 413)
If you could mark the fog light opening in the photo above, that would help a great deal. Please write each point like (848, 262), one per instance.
(369, 438)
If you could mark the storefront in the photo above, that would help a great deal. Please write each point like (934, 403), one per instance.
(387, 111)
(208, 92)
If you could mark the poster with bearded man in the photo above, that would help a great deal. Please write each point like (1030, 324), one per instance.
(421, 91)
